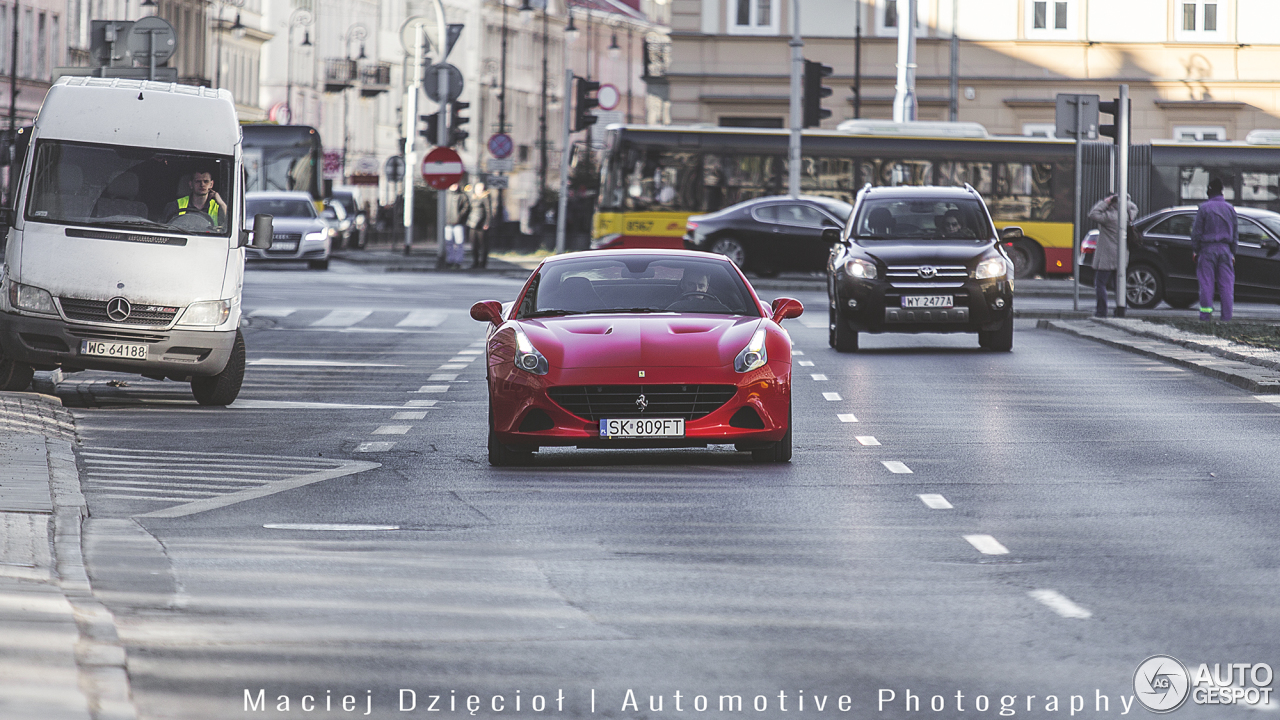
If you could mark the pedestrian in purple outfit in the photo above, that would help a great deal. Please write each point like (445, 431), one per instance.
(1214, 238)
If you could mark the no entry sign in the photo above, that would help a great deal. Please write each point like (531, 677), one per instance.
(441, 168)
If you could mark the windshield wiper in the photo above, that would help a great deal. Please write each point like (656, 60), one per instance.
(628, 310)
(552, 313)
(139, 223)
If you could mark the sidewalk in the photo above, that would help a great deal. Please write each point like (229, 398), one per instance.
(60, 658)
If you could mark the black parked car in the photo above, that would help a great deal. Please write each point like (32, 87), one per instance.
(767, 235)
(1160, 265)
(920, 259)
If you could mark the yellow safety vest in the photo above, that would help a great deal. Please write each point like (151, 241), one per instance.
(183, 202)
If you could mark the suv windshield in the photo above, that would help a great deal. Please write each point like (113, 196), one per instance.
(130, 187)
(896, 218)
(637, 284)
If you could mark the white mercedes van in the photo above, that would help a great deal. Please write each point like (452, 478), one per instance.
(109, 262)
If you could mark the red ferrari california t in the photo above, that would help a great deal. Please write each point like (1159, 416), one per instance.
(638, 349)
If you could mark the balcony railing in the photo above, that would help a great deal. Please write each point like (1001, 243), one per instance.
(375, 78)
(339, 74)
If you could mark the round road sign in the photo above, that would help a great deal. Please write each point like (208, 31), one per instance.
(152, 34)
(608, 96)
(441, 168)
(394, 168)
(431, 82)
(500, 146)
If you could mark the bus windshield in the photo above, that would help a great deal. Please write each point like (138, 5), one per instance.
(130, 187)
(283, 157)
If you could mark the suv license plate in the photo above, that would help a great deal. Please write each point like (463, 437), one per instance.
(129, 351)
(642, 428)
(927, 301)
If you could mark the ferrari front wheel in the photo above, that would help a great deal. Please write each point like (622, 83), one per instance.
(779, 452)
(500, 455)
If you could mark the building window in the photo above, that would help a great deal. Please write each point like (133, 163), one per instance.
(1051, 19)
(1044, 130)
(888, 12)
(1199, 133)
(752, 17)
(1199, 20)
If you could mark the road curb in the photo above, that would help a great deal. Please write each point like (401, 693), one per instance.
(1263, 380)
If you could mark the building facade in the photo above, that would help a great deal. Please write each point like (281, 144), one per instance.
(1196, 69)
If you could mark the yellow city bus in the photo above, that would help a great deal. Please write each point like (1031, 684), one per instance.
(654, 178)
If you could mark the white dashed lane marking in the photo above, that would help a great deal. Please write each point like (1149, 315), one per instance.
(987, 545)
(935, 501)
(409, 416)
(819, 377)
(805, 363)
(894, 466)
(432, 389)
(342, 318)
(442, 377)
(867, 440)
(421, 403)
(832, 397)
(1061, 604)
(423, 318)
(847, 417)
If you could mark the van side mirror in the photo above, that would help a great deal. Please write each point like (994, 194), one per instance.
(831, 235)
(262, 232)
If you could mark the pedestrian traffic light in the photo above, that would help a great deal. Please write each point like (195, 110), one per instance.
(456, 134)
(1112, 108)
(432, 131)
(814, 92)
(584, 102)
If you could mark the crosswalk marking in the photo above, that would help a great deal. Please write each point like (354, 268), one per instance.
(342, 318)
(272, 312)
(392, 430)
(442, 377)
(374, 447)
(423, 318)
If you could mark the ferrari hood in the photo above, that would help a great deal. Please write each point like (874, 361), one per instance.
(658, 340)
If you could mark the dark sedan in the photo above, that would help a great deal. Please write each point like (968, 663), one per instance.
(770, 234)
(1160, 265)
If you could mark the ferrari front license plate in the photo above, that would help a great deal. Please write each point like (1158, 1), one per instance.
(115, 350)
(927, 301)
(642, 428)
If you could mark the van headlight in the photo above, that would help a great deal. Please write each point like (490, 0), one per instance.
(31, 299)
(210, 312)
(753, 355)
(859, 268)
(527, 356)
(990, 268)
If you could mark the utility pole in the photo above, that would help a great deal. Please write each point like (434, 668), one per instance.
(542, 121)
(1122, 198)
(904, 101)
(501, 206)
(797, 67)
(411, 131)
(13, 80)
(954, 113)
(565, 152)
(857, 64)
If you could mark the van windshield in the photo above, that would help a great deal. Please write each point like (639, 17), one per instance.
(131, 187)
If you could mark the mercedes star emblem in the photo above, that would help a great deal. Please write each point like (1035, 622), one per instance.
(118, 309)
(642, 402)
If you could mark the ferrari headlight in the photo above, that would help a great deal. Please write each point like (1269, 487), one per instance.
(859, 268)
(753, 355)
(210, 312)
(31, 299)
(527, 356)
(990, 268)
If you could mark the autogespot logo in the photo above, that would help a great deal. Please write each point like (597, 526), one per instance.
(1161, 683)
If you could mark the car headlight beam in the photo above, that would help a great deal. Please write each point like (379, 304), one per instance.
(317, 236)
(753, 355)
(31, 299)
(527, 356)
(208, 313)
(859, 268)
(990, 268)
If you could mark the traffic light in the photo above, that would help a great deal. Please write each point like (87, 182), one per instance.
(432, 131)
(1112, 108)
(456, 134)
(584, 102)
(814, 91)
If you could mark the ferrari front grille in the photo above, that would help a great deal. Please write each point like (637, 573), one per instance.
(593, 402)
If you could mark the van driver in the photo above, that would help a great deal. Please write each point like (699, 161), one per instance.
(203, 200)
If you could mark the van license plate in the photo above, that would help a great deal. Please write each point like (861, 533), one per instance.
(642, 428)
(927, 301)
(128, 351)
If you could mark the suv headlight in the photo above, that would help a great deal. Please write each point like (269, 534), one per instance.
(31, 299)
(753, 355)
(527, 356)
(210, 312)
(990, 268)
(859, 268)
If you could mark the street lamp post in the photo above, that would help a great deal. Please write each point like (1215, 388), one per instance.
(355, 32)
(299, 18)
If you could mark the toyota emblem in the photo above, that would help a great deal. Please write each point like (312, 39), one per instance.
(927, 271)
(642, 402)
(118, 309)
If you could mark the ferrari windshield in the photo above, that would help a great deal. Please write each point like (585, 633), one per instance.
(933, 219)
(130, 187)
(637, 284)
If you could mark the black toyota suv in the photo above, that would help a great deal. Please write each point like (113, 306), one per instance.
(919, 259)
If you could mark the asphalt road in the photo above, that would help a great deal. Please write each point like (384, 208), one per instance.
(1020, 525)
